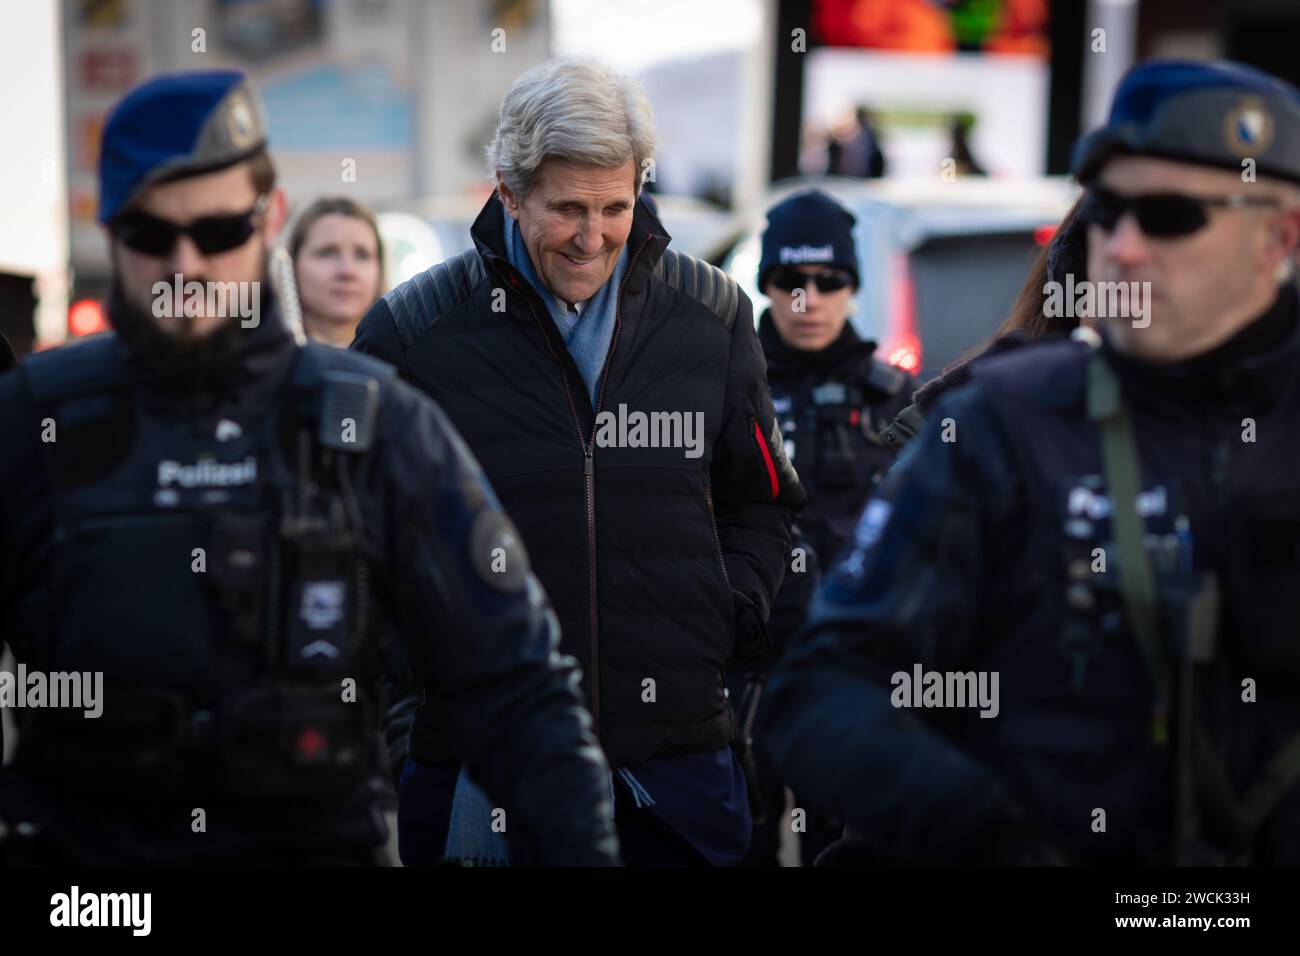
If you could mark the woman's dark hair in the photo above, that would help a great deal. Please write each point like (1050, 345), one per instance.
(1066, 253)
(334, 206)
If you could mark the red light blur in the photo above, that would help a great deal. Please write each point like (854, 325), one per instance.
(1043, 234)
(902, 346)
(86, 317)
(906, 357)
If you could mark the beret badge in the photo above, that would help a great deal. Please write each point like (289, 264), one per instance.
(1248, 127)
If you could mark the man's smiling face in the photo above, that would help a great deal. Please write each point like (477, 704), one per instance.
(574, 223)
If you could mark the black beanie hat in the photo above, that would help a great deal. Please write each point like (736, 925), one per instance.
(808, 228)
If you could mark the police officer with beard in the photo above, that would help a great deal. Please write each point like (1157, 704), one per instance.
(832, 396)
(223, 530)
(1065, 631)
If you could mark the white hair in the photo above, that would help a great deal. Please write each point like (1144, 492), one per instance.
(573, 110)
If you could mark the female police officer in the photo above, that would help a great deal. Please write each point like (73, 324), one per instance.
(832, 396)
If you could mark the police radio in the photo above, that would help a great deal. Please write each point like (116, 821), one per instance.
(321, 527)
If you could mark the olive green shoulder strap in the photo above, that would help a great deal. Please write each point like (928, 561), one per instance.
(1136, 579)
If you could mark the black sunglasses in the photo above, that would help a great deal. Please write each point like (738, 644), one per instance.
(1159, 215)
(789, 278)
(211, 234)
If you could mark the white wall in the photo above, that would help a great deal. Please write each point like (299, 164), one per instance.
(1007, 94)
(463, 81)
(33, 206)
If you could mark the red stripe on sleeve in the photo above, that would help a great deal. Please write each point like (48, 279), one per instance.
(767, 459)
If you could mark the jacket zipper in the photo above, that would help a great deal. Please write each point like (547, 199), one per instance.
(713, 526)
(588, 446)
(589, 486)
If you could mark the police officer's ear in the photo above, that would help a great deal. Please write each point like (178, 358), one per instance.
(1289, 226)
(1283, 239)
(508, 198)
(275, 216)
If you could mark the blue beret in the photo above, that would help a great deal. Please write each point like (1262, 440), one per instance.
(176, 125)
(1212, 114)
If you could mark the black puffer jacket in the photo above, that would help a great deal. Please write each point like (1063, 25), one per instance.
(659, 565)
(832, 404)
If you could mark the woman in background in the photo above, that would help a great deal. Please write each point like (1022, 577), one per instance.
(338, 266)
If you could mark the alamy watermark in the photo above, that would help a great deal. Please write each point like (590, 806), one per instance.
(624, 429)
(74, 690)
(1099, 300)
(227, 300)
(74, 908)
(956, 689)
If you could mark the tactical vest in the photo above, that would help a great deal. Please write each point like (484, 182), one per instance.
(216, 581)
(829, 430)
(840, 412)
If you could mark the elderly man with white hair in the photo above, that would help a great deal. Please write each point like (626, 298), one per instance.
(614, 391)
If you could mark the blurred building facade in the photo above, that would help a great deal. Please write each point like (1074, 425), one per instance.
(381, 100)
(392, 101)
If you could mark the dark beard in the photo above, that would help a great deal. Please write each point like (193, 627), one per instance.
(196, 366)
(169, 360)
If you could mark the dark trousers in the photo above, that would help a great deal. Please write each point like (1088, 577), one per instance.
(644, 840)
(424, 807)
(424, 797)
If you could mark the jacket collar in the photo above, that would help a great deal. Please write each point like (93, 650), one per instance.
(1252, 369)
(647, 242)
(847, 347)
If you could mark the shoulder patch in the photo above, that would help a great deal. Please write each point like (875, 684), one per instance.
(706, 284)
(418, 302)
(497, 552)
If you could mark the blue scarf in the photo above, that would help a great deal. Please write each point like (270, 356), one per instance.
(588, 338)
(470, 835)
